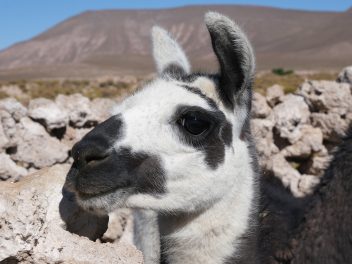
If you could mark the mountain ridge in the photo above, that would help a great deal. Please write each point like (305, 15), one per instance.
(118, 41)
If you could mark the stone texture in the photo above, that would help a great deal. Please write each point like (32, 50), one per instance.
(274, 95)
(102, 108)
(14, 108)
(332, 125)
(264, 142)
(48, 113)
(345, 76)
(311, 141)
(289, 176)
(9, 170)
(260, 108)
(327, 96)
(32, 230)
(290, 115)
(78, 108)
(35, 147)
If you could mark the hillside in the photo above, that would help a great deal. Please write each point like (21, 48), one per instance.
(117, 41)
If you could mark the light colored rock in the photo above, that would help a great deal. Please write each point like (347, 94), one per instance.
(47, 113)
(264, 142)
(260, 108)
(289, 176)
(72, 136)
(311, 141)
(345, 76)
(14, 108)
(289, 116)
(318, 163)
(9, 170)
(7, 131)
(35, 147)
(15, 91)
(307, 183)
(78, 108)
(102, 108)
(32, 230)
(327, 96)
(4, 141)
(331, 124)
(274, 95)
(120, 227)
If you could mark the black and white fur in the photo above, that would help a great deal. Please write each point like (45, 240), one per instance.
(196, 195)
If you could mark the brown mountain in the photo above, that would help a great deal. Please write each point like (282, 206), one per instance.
(117, 41)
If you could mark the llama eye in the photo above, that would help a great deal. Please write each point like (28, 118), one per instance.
(194, 123)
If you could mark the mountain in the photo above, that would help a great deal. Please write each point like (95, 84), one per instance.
(118, 41)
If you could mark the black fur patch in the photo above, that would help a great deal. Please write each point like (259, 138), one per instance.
(196, 91)
(213, 141)
(98, 168)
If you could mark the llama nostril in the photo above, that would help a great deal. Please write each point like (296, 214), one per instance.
(94, 159)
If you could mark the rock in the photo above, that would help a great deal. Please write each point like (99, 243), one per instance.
(327, 96)
(102, 108)
(9, 169)
(7, 130)
(264, 142)
(78, 108)
(72, 136)
(311, 141)
(274, 95)
(260, 108)
(4, 141)
(15, 91)
(48, 113)
(331, 124)
(32, 230)
(289, 116)
(317, 164)
(307, 183)
(35, 147)
(289, 176)
(120, 227)
(345, 76)
(14, 108)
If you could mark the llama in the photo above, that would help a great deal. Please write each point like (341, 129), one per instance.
(180, 152)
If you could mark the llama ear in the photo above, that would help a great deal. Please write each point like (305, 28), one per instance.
(167, 53)
(236, 59)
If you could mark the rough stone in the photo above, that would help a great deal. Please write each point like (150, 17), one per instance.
(345, 76)
(32, 230)
(48, 113)
(260, 108)
(327, 96)
(9, 170)
(331, 124)
(289, 176)
(263, 136)
(311, 141)
(78, 108)
(307, 183)
(14, 108)
(35, 147)
(289, 116)
(274, 95)
(102, 108)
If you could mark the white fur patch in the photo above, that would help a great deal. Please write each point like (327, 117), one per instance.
(167, 51)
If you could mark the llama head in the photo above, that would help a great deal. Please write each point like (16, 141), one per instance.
(178, 144)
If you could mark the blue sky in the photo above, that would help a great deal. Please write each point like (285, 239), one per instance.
(23, 19)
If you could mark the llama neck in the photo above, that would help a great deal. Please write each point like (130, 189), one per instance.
(224, 232)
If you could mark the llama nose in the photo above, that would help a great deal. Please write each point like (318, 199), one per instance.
(97, 144)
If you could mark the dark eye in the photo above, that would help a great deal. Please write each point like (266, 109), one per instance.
(194, 123)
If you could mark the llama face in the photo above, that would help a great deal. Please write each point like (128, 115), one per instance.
(176, 144)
